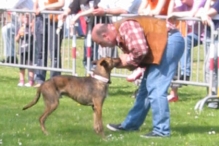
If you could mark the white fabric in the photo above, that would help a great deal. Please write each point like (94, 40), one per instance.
(41, 3)
(131, 6)
(16, 4)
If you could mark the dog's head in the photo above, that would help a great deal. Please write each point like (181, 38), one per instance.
(107, 62)
(105, 65)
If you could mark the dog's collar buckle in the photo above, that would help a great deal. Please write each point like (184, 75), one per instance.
(98, 77)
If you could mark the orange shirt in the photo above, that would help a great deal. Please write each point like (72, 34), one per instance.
(153, 4)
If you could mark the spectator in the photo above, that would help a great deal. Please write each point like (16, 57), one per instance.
(165, 52)
(74, 8)
(206, 14)
(47, 39)
(153, 7)
(187, 8)
(9, 30)
(25, 39)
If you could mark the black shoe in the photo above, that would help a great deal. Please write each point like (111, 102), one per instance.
(12, 59)
(184, 78)
(152, 135)
(114, 127)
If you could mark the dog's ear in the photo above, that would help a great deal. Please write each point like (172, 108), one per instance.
(104, 63)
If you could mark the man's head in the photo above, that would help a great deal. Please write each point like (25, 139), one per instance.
(104, 35)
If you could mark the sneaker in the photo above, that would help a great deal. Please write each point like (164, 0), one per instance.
(37, 85)
(151, 135)
(20, 84)
(172, 98)
(135, 75)
(213, 105)
(114, 127)
(28, 85)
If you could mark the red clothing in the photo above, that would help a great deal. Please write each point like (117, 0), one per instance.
(134, 37)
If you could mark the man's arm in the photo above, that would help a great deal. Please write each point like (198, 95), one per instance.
(135, 41)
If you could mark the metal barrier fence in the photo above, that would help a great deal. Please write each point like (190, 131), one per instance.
(60, 54)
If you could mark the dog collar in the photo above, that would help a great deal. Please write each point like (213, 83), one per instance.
(98, 77)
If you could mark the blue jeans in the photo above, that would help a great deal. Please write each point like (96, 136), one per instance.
(47, 41)
(153, 90)
(8, 34)
(185, 61)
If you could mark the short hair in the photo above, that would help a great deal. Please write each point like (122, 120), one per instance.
(102, 29)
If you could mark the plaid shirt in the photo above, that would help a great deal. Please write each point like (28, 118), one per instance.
(134, 38)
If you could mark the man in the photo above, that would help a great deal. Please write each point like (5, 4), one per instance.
(145, 43)
(9, 30)
(46, 38)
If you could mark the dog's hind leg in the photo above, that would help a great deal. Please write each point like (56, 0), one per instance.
(51, 105)
(98, 123)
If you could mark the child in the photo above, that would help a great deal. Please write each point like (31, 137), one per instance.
(25, 39)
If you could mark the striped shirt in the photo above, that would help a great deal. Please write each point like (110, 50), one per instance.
(134, 38)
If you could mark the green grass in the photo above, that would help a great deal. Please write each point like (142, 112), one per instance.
(71, 124)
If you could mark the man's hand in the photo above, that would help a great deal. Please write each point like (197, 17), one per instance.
(123, 58)
(99, 12)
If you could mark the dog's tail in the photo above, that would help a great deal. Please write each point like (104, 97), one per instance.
(35, 100)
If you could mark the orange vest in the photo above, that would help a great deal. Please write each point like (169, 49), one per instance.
(52, 17)
(153, 4)
(156, 36)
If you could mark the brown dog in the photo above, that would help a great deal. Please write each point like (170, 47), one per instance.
(90, 91)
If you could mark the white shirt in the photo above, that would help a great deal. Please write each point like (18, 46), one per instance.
(131, 6)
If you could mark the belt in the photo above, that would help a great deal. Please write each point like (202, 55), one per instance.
(172, 31)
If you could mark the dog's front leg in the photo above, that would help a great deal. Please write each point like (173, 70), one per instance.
(97, 115)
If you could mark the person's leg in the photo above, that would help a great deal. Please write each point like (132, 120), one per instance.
(41, 46)
(207, 72)
(79, 29)
(55, 49)
(22, 71)
(29, 61)
(158, 81)
(8, 33)
(191, 40)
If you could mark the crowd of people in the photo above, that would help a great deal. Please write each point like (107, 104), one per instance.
(152, 47)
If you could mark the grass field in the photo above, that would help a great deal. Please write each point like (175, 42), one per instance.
(71, 124)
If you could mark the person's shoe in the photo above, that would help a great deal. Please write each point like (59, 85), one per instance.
(213, 105)
(12, 59)
(151, 135)
(184, 78)
(135, 75)
(172, 98)
(115, 127)
(29, 84)
(37, 85)
(20, 84)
